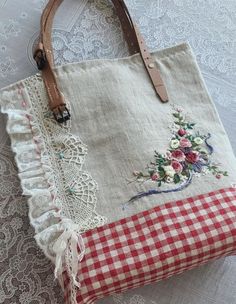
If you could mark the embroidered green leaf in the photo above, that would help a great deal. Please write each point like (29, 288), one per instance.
(179, 123)
(176, 179)
(161, 170)
(176, 115)
(162, 174)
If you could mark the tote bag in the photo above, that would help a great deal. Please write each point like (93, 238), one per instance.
(129, 172)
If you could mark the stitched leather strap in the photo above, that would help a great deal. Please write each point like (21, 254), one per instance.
(44, 56)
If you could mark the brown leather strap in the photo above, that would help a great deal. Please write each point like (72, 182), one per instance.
(44, 56)
(148, 61)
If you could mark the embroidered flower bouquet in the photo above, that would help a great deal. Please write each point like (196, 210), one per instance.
(189, 155)
(116, 202)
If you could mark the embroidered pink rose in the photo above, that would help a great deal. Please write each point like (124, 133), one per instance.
(155, 176)
(178, 155)
(177, 166)
(188, 154)
(192, 157)
(185, 143)
(182, 132)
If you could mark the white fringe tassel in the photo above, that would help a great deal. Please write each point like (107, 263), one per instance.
(66, 250)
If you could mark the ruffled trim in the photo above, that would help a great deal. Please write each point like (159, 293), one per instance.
(50, 160)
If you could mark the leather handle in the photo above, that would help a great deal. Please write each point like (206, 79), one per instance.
(148, 60)
(44, 56)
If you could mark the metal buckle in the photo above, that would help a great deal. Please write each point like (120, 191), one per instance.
(61, 114)
(40, 58)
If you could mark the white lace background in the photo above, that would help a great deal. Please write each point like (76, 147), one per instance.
(86, 29)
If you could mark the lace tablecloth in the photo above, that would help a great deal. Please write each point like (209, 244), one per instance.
(89, 29)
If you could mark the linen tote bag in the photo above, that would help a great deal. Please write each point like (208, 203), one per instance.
(129, 172)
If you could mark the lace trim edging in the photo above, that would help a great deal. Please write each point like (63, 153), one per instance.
(58, 236)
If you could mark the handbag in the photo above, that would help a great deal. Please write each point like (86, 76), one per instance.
(129, 172)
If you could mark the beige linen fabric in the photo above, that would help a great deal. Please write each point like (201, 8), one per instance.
(116, 113)
(117, 124)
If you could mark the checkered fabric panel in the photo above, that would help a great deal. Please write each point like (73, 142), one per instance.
(156, 244)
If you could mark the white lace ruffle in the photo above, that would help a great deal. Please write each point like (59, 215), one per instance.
(62, 197)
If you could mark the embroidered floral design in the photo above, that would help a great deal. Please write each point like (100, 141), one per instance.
(188, 155)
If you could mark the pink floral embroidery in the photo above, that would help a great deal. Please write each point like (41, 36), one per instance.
(185, 142)
(189, 153)
(178, 155)
(177, 166)
(182, 132)
(192, 157)
(155, 176)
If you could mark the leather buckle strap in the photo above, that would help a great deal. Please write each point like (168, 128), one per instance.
(40, 56)
(44, 57)
(61, 113)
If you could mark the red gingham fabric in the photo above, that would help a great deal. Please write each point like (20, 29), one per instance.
(156, 244)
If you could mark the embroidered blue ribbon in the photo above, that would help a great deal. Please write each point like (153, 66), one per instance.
(196, 168)
(154, 191)
(210, 148)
